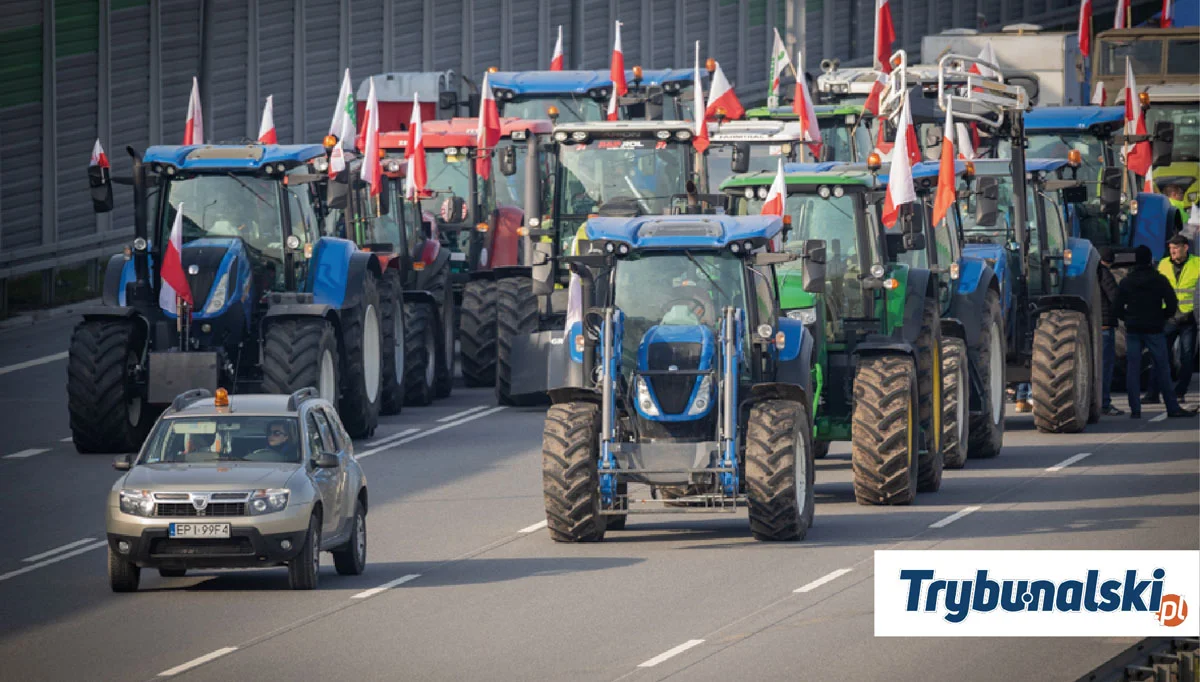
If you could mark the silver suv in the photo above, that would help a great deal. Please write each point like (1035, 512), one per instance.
(239, 482)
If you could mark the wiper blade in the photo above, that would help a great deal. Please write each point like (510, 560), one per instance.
(248, 188)
(704, 272)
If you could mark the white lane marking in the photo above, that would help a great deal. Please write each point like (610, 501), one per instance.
(388, 439)
(56, 550)
(827, 578)
(954, 517)
(386, 586)
(52, 560)
(464, 413)
(534, 528)
(68, 439)
(670, 653)
(34, 363)
(1159, 418)
(196, 662)
(1069, 461)
(429, 432)
(27, 453)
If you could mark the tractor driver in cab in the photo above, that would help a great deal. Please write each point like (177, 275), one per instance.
(1175, 188)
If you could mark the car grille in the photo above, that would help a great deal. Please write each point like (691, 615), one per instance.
(179, 509)
(171, 547)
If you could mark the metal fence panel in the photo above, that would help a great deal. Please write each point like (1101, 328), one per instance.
(227, 119)
(275, 63)
(129, 114)
(366, 38)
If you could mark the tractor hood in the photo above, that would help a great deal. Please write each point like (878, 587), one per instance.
(669, 348)
(209, 264)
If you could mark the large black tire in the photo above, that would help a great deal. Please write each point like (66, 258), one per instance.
(821, 448)
(1097, 346)
(985, 437)
(516, 315)
(884, 443)
(780, 471)
(477, 333)
(955, 403)
(448, 327)
(305, 569)
(929, 387)
(1061, 375)
(123, 576)
(362, 365)
(420, 353)
(391, 322)
(298, 353)
(570, 481)
(108, 412)
(351, 558)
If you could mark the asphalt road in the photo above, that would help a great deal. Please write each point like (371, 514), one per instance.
(475, 589)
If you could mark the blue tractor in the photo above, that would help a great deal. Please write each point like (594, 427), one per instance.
(276, 305)
(580, 96)
(682, 376)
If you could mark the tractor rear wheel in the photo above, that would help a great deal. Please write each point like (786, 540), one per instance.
(985, 436)
(298, 353)
(447, 326)
(420, 353)
(362, 364)
(780, 471)
(821, 448)
(1097, 345)
(391, 315)
(929, 386)
(955, 404)
(107, 406)
(1062, 372)
(570, 481)
(477, 333)
(884, 440)
(516, 315)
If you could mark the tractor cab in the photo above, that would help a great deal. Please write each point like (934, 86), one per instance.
(845, 129)
(582, 96)
(749, 146)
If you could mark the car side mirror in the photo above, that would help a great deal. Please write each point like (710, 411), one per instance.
(1164, 143)
(122, 463)
(101, 186)
(741, 157)
(1110, 190)
(508, 161)
(813, 279)
(326, 460)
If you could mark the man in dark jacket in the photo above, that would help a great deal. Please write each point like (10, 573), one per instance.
(1145, 301)
(1108, 327)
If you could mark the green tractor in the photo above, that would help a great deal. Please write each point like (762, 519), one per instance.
(845, 129)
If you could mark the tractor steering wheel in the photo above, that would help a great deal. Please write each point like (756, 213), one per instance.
(700, 306)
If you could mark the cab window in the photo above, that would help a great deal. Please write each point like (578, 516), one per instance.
(764, 294)
(945, 240)
(1055, 237)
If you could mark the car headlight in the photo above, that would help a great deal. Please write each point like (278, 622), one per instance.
(645, 402)
(137, 502)
(217, 300)
(703, 395)
(268, 501)
(806, 316)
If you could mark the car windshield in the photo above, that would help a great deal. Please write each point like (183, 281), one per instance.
(1186, 118)
(571, 108)
(763, 157)
(641, 174)
(1057, 146)
(222, 206)
(223, 438)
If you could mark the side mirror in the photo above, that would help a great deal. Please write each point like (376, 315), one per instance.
(593, 322)
(1163, 144)
(508, 161)
(1110, 190)
(337, 192)
(447, 100)
(101, 185)
(741, 157)
(1075, 195)
(542, 269)
(813, 280)
(326, 460)
(933, 136)
(385, 202)
(122, 463)
(454, 209)
(987, 201)
(914, 241)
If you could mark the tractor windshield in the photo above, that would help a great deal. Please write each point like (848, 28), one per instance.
(842, 141)
(571, 108)
(1056, 145)
(987, 228)
(640, 174)
(763, 157)
(222, 206)
(449, 175)
(1186, 118)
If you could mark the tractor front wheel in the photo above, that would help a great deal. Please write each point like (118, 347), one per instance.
(985, 436)
(391, 315)
(299, 353)
(929, 386)
(107, 406)
(362, 364)
(516, 315)
(780, 471)
(570, 480)
(884, 442)
(1062, 372)
(955, 403)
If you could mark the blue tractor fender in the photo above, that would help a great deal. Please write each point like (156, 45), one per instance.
(1080, 278)
(967, 304)
(117, 274)
(795, 358)
(337, 271)
(1153, 224)
(997, 258)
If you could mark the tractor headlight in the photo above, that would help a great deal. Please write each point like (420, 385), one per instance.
(220, 292)
(268, 501)
(534, 222)
(139, 244)
(877, 271)
(703, 396)
(645, 402)
(748, 193)
(806, 316)
(823, 191)
(321, 165)
(763, 192)
(560, 136)
(663, 134)
(579, 135)
(839, 191)
(137, 502)
(683, 134)
(293, 242)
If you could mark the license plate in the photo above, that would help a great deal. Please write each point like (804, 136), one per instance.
(199, 530)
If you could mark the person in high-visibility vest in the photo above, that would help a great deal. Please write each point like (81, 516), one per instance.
(1174, 187)
(1182, 270)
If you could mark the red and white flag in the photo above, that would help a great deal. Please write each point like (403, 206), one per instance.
(721, 98)
(1167, 20)
(885, 35)
(900, 188)
(487, 134)
(802, 105)
(987, 54)
(1121, 18)
(372, 169)
(266, 131)
(966, 150)
(700, 137)
(1085, 28)
(1148, 185)
(617, 68)
(1100, 94)
(556, 60)
(779, 63)
(876, 94)
(193, 132)
(174, 283)
(614, 111)
(945, 196)
(777, 195)
(414, 154)
(337, 160)
(1138, 154)
(99, 158)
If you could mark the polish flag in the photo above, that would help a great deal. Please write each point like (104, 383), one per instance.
(1148, 184)
(556, 60)
(1122, 15)
(1085, 28)
(945, 190)
(372, 170)
(193, 132)
(779, 64)
(1099, 95)
(99, 158)
(613, 110)
(700, 138)
(876, 94)
(966, 150)
(174, 283)
(1137, 155)
(487, 135)
(414, 153)
(266, 131)
(900, 188)
(776, 196)
(911, 147)
(617, 69)
(810, 130)
(1167, 20)
(721, 98)
(987, 54)
(885, 35)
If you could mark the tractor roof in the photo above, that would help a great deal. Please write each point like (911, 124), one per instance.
(925, 174)
(757, 131)
(1070, 118)
(804, 174)
(1168, 93)
(683, 231)
(460, 132)
(821, 110)
(576, 82)
(1002, 167)
(225, 157)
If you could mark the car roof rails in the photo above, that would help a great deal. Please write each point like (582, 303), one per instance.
(306, 393)
(188, 397)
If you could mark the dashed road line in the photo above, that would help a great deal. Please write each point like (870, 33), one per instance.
(52, 560)
(197, 662)
(1159, 418)
(429, 432)
(827, 578)
(534, 528)
(34, 363)
(367, 594)
(1069, 461)
(954, 517)
(670, 653)
(56, 550)
(387, 439)
(464, 413)
(29, 452)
